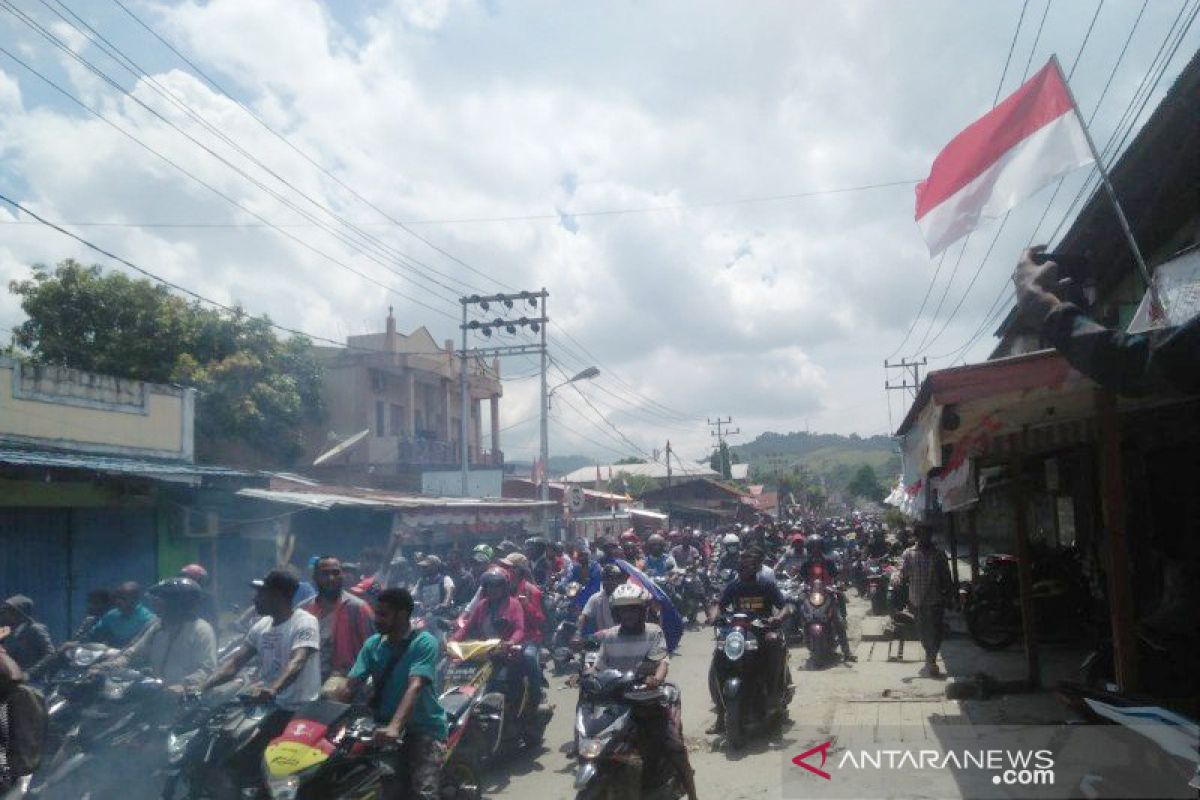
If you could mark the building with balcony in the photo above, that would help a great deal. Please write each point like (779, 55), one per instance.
(395, 409)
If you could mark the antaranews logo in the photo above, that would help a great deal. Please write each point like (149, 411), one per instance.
(1008, 767)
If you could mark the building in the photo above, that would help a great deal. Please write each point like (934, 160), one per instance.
(1022, 453)
(395, 408)
(98, 486)
(701, 501)
(656, 470)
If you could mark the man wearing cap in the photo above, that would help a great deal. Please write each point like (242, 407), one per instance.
(344, 621)
(126, 620)
(286, 641)
(434, 589)
(26, 640)
(584, 570)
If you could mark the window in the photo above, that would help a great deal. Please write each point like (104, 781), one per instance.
(379, 431)
(397, 420)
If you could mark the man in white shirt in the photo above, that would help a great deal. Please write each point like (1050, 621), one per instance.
(597, 612)
(286, 641)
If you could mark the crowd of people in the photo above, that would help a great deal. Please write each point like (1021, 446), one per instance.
(338, 629)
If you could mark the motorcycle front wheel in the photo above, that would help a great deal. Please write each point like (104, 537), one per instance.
(735, 725)
(989, 628)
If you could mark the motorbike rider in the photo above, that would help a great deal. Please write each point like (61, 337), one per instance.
(731, 547)
(286, 643)
(658, 561)
(876, 546)
(179, 647)
(344, 621)
(583, 571)
(464, 582)
(434, 589)
(818, 566)
(597, 612)
(126, 620)
(631, 548)
(207, 608)
(685, 553)
(792, 560)
(497, 615)
(530, 597)
(610, 551)
(627, 647)
(750, 594)
(22, 726)
(99, 603)
(403, 667)
(539, 565)
(27, 641)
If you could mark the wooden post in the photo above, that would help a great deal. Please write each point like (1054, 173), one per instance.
(1112, 507)
(973, 530)
(953, 536)
(1025, 572)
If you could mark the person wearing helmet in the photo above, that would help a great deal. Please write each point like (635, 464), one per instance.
(539, 567)
(610, 550)
(497, 615)
(126, 620)
(818, 567)
(731, 545)
(633, 645)
(658, 561)
(750, 594)
(179, 647)
(631, 549)
(597, 612)
(529, 595)
(505, 547)
(207, 609)
(27, 641)
(434, 589)
(793, 559)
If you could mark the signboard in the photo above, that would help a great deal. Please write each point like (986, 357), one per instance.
(481, 483)
(1178, 284)
(575, 497)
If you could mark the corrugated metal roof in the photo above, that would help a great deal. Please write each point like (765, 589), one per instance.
(118, 465)
(653, 470)
(326, 497)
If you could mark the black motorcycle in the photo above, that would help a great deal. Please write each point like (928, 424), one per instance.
(109, 737)
(565, 617)
(611, 765)
(738, 678)
(1062, 601)
(214, 751)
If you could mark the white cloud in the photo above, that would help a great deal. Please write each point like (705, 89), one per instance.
(779, 313)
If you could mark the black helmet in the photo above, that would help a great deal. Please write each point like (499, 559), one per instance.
(506, 547)
(612, 572)
(536, 541)
(493, 577)
(178, 591)
(814, 542)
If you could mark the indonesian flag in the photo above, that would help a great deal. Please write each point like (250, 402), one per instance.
(1032, 137)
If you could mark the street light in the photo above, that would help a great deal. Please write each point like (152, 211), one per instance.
(586, 375)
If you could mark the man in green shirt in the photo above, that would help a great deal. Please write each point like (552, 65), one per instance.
(403, 665)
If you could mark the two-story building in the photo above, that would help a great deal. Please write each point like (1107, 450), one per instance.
(395, 409)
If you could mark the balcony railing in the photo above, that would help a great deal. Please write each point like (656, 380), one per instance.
(431, 453)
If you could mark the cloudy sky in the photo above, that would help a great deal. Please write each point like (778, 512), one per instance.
(738, 278)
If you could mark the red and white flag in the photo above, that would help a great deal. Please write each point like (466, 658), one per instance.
(1032, 137)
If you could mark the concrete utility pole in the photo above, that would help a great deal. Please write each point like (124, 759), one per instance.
(668, 484)
(544, 475)
(721, 431)
(905, 364)
(487, 328)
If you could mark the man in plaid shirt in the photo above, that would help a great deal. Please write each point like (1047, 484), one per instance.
(925, 570)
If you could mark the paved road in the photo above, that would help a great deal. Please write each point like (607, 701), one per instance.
(823, 698)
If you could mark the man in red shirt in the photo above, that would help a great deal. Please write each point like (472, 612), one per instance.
(345, 621)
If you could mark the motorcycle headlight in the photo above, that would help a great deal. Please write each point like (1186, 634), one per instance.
(817, 599)
(177, 744)
(285, 788)
(115, 690)
(592, 748)
(735, 645)
(85, 657)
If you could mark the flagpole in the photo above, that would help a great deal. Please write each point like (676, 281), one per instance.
(1155, 300)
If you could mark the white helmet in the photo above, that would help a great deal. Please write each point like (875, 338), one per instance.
(730, 540)
(627, 595)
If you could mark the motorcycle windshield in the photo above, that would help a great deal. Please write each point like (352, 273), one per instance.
(593, 719)
(472, 651)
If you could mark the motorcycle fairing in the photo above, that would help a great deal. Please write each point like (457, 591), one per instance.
(472, 651)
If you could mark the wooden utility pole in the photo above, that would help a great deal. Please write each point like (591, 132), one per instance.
(1024, 571)
(668, 484)
(1116, 561)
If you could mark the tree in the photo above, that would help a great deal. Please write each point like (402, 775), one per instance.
(722, 461)
(256, 393)
(634, 485)
(866, 484)
(631, 460)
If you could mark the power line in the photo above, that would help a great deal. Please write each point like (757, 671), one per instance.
(1007, 59)
(924, 300)
(211, 82)
(224, 196)
(130, 66)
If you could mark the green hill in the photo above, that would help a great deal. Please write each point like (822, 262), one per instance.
(829, 455)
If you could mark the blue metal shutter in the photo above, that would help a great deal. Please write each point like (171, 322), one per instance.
(33, 562)
(109, 547)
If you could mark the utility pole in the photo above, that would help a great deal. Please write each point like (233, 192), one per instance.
(668, 484)
(913, 366)
(544, 475)
(486, 328)
(718, 424)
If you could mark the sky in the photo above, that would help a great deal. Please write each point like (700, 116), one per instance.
(684, 178)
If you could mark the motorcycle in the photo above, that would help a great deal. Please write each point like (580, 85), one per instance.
(876, 578)
(328, 752)
(565, 616)
(115, 734)
(214, 750)
(817, 612)
(610, 764)
(992, 607)
(793, 593)
(484, 721)
(737, 678)
(688, 592)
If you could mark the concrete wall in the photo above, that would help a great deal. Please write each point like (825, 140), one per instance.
(47, 406)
